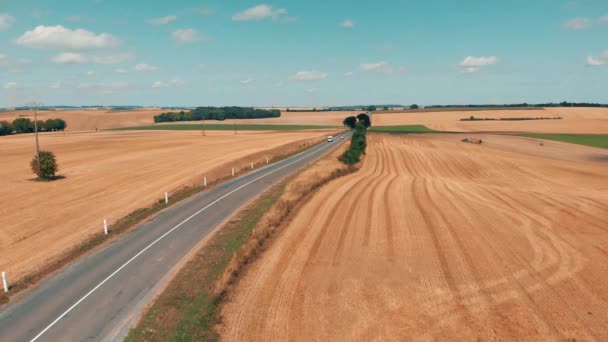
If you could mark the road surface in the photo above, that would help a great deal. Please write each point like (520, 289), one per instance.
(99, 297)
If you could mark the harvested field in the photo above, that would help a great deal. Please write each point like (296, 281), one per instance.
(108, 175)
(437, 239)
(90, 119)
(574, 120)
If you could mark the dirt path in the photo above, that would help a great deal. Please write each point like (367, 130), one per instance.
(437, 239)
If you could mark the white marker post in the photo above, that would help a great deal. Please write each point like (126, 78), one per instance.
(232, 172)
(105, 226)
(205, 181)
(252, 166)
(4, 282)
(266, 160)
(166, 197)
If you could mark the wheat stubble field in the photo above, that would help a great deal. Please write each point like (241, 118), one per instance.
(438, 239)
(109, 175)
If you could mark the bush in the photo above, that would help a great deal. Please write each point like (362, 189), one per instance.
(350, 156)
(414, 106)
(48, 165)
(5, 128)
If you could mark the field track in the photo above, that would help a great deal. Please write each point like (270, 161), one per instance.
(437, 239)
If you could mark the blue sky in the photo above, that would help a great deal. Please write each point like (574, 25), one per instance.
(302, 53)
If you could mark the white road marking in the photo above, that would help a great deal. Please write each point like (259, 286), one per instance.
(163, 236)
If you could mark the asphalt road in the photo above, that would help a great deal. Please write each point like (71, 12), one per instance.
(99, 297)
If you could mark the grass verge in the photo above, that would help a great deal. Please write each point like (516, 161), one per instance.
(595, 140)
(189, 307)
(402, 129)
(223, 127)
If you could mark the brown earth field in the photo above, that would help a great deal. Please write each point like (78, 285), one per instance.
(109, 175)
(436, 239)
(575, 120)
(90, 119)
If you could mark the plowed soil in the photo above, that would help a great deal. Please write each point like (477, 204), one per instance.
(438, 239)
(109, 175)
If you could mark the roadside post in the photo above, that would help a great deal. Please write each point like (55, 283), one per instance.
(232, 172)
(4, 282)
(205, 181)
(266, 160)
(166, 197)
(252, 166)
(105, 226)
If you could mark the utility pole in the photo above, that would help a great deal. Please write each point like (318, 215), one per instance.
(35, 105)
(204, 127)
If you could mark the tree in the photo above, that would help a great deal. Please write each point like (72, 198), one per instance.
(5, 128)
(48, 165)
(350, 122)
(371, 108)
(41, 126)
(385, 108)
(365, 120)
(414, 106)
(23, 125)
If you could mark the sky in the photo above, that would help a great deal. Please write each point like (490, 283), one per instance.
(302, 53)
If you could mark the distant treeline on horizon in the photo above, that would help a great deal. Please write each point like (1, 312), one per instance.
(218, 113)
(334, 108)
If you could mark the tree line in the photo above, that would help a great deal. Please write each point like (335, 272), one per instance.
(218, 113)
(25, 125)
(358, 142)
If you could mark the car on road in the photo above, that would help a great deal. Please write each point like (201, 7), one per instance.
(330, 138)
(341, 137)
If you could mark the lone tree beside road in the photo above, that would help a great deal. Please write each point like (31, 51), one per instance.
(47, 167)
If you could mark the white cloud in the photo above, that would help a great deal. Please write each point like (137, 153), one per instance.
(6, 21)
(56, 85)
(10, 85)
(184, 36)
(70, 58)
(91, 73)
(401, 69)
(472, 61)
(579, 23)
(61, 38)
(261, 12)
(79, 58)
(112, 59)
(312, 75)
(121, 71)
(604, 18)
(145, 67)
(347, 24)
(377, 67)
(279, 84)
(162, 20)
(311, 90)
(167, 84)
(247, 81)
(473, 64)
(598, 60)
(348, 74)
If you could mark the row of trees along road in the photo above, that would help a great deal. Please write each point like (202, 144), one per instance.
(358, 142)
(24, 125)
